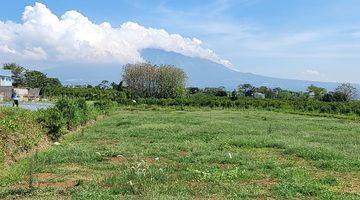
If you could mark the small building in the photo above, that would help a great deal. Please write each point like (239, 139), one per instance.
(5, 84)
(22, 93)
(5, 78)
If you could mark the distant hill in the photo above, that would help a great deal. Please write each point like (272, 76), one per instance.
(200, 72)
(204, 73)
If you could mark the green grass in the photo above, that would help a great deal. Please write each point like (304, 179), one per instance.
(164, 153)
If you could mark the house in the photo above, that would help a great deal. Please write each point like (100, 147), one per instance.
(28, 94)
(5, 78)
(5, 84)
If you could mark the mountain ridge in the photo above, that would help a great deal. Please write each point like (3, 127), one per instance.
(201, 73)
(218, 75)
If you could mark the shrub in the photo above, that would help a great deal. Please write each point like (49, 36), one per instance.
(84, 110)
(70, 111)
(53, 120)
(104, 106)
(19, 132)
(89, 94)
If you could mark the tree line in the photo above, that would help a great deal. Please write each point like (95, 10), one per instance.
(344, 92)
(144, 80)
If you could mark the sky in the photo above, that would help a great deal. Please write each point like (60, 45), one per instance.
(298, 39)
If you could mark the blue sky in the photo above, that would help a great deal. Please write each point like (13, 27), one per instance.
(299, 39)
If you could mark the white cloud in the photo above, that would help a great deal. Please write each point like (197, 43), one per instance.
(6, 50)
(44, 36)
(311, 72)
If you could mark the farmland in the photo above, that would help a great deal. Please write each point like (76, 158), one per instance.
(162, 152)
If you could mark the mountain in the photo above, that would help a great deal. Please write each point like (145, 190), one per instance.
(201, 73)
(204, 73)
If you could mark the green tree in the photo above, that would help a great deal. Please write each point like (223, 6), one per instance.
(234, 95)
(146, 80)
(347, 90)
(36, 79)
(17, 73)
(269, 93)
(246, 89)
(105, 84)
(317, 91)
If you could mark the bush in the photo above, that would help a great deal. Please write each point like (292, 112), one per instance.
(69, 114)
(19, 132)
(70, 111)
(89, 94)
(53, 120)
(104, 106)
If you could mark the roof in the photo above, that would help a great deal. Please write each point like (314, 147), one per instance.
(5, 72)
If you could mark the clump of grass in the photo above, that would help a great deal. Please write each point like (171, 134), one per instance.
(329, 180)
(270, 129)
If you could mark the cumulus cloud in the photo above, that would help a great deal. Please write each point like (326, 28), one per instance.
(311, 74)
(44, 36)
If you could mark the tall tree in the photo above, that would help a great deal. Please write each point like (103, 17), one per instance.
(246, 89)
(105, 84)
(347, 90)
(146, 80)
(36, 79)
(317, 91)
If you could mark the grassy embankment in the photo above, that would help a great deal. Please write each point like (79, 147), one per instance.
(197, 153)
(19, 132)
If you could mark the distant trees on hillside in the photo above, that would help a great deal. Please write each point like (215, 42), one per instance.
(345, 92)
(147, 80)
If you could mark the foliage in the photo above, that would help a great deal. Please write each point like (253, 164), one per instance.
(297, 105)
(317, 91)
(246, 89)
(87, 93)
(219, 92)
(104, 106)
(36, 79)
(68, 114)
(53, 120)
(22, 130)
(19, 132)
(193, 90)
(349, 92)
(70, 111)
(146, 80)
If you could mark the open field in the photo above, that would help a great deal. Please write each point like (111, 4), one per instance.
(196, 153)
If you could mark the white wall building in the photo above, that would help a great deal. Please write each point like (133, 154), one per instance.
(5, 78)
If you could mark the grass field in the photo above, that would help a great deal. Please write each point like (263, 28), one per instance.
(163, 153)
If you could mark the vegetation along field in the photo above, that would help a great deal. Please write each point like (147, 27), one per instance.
(155, 152)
